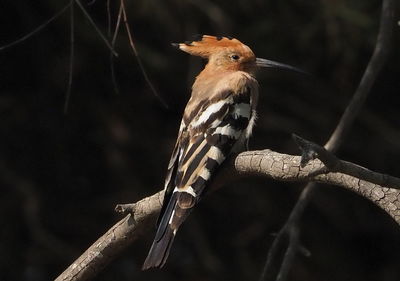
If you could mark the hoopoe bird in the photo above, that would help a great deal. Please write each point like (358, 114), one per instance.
(218, 119)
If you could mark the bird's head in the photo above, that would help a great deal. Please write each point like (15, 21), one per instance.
(227, 54)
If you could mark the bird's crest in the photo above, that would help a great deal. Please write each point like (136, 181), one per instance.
(206, 45)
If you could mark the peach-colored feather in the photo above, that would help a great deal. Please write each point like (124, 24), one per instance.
(221, 71)
(208, 46)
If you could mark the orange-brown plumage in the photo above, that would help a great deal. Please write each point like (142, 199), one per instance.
(230, 63)
(220, 53)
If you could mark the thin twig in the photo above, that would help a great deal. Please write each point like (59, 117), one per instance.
(108, 9)
(146, 77)
(378, 59)
(288, 233)
(71, 59)
(375, 64)
(87, 15)
(294, 232)
(114, 39)
(37, 29)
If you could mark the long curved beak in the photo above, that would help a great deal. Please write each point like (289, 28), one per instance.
(273, 64)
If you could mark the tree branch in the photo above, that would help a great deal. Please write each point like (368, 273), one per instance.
(313, 151)
(381, 189)
(391, 199)
(375, 64)
(115, 240)
(286, 167)
(266, 163)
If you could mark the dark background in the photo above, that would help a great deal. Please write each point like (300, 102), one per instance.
(62, 174)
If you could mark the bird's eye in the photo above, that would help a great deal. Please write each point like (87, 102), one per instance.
(235, 57)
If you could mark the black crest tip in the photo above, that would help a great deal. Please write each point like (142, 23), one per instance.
(197, 37)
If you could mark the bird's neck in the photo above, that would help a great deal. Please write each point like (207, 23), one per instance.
(210, 83)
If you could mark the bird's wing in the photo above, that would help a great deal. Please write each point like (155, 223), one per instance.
(203, 144)
(169, 184)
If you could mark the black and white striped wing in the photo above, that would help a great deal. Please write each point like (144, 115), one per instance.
(169, 185)
(204, 143)
(214, 133)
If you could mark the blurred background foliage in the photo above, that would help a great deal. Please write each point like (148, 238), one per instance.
(62, 174)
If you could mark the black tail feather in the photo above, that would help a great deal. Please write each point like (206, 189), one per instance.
(165, 235)
(169, 222)
(165, 216)
(159, 250)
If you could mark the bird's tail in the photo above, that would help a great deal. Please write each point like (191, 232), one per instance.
(159, 251)
(173, 216)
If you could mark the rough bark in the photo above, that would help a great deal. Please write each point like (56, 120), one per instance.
(381, 189)
(116, 239)
(265, 163)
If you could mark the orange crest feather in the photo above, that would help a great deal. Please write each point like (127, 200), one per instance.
(206, 45)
